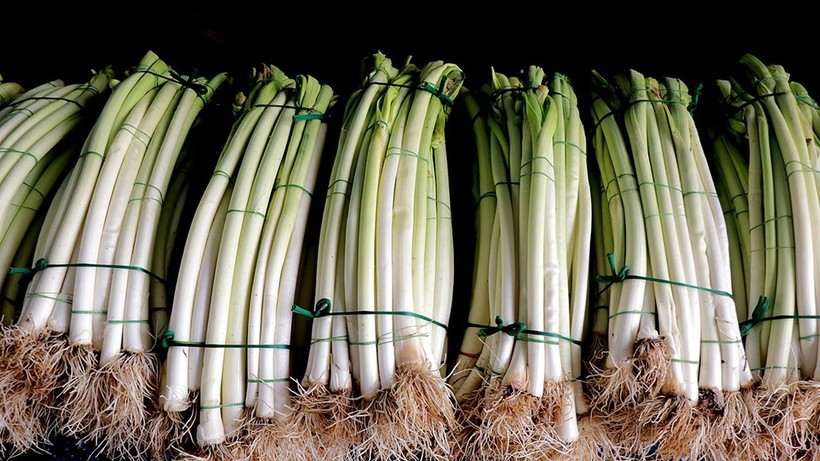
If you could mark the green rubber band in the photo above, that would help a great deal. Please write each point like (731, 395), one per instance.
(742, 194)
(513, 329)
(507, 183)
(123, 321)
(809, 337)
(21, 110)
(659, 215)
(337, 181)
(43, 263)
(571, 144)
(68, 299)
(758, 314)
(142, 199)
(774, 367)
(483, 196)
(615, 180)
(223, 174)
(623, 274)
(167, 340)
(807, 100)
(549, 342)
(91, 152)
(250, 212)
(405, 313)
(8, 150)
(53, 98)
(657, 184)
(158, 309)
(151, 186)
(135, 131)
(439, 202)
(403, 152)
(790, 317)
(741, 212)
(537, 157)
(760, 224)
(805, 169)
(323, 308)
(700, 192)
(426, 86)
(756, 100)
(380, 341)
(23, 207)
(719, 341)
(771, 78)
(538, 173)
(268, 381)
(681, 284)
(34, 189)
(314, 115)
(687, 362)
(295, 186)
(633, 312)
(772, 248)
(553, 335)
(224, 405)
(331, 339)
(89, 312)
(623, 191)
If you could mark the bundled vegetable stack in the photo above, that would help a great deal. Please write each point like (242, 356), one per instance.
(228, 367)
(374, 386)
(675, 377)
(520, 364)
(767, 157)
(41, 134)
(89, 296)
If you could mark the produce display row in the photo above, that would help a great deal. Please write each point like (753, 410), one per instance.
(522, 268)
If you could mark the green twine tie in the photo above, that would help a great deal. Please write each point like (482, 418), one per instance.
(321, 309)
(757, 316)
(617, 275)
(514, 329)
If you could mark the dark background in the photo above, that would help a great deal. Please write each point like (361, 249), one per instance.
(697, 43)
(43, 40)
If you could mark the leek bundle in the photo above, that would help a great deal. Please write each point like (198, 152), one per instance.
(674, 359)
(229, 335)
(519, 380)
(41, 133)
(90, 281)
(766, 149)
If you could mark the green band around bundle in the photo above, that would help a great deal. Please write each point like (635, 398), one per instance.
(549, 334)
(513, 329)
(42, 264)
(754, 100)
(167, 340)
(623, 274)
(323, 309)
(439, 93)
(51, 98)
(757, 316)
(187, 82)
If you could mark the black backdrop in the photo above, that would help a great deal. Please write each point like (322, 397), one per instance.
(699, 44)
